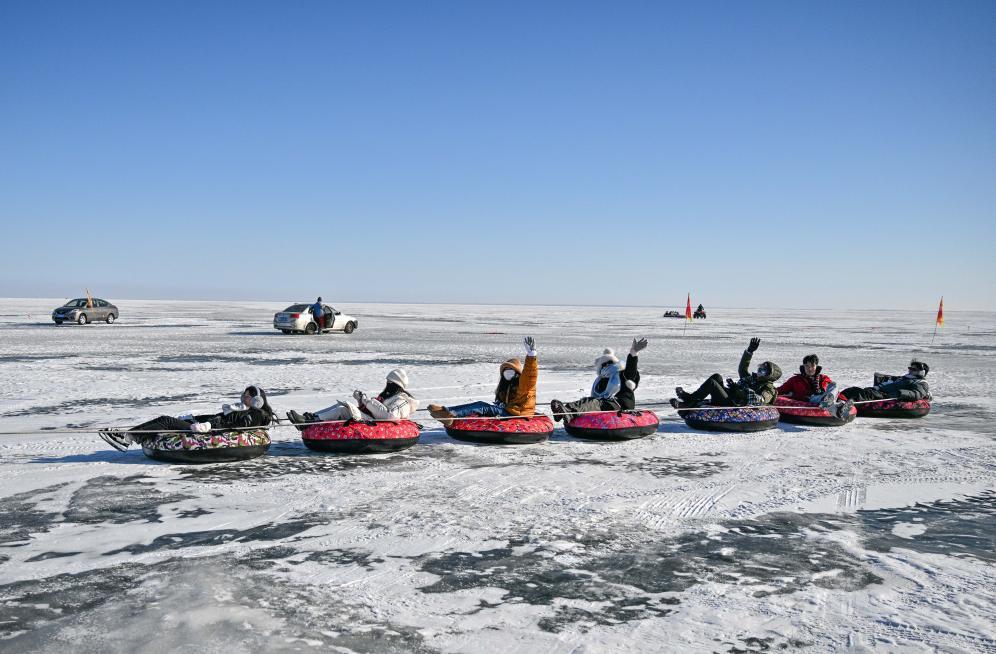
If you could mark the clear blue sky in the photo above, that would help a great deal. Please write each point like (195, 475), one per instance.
(754, 153)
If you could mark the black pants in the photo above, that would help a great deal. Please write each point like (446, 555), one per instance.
(164, 423)
(858, 394)
(587, 404)
(715, 389)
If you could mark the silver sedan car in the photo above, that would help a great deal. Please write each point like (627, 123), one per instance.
(83, 311)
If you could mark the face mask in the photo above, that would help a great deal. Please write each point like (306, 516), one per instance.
(508, 374)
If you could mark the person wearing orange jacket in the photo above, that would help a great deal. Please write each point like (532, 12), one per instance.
(514, 396)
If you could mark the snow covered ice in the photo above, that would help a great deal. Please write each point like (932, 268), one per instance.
(875, 536)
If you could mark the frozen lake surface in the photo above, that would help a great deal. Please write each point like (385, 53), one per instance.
(880, 535)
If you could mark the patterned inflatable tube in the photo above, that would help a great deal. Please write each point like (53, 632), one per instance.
(217, 447)
(893, 409)
(502, 431)
(734, 418)
(805, 413)
(354, 437)
(617, 426)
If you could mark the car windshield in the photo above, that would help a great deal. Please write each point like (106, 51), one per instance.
(297, 308)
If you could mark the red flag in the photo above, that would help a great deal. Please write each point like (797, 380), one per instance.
(940, 314)
(688, 308)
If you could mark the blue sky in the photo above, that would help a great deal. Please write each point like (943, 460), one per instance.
(756, 154)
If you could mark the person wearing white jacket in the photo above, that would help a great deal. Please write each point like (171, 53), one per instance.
(393, 403)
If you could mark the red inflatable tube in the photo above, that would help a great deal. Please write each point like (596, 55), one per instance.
(502, 431)
(805, 413)
(618, 425)
(353, 437)
(893, 409)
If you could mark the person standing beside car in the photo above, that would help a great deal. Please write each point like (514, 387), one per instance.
(319, 314)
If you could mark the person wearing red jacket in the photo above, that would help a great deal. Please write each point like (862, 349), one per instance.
(812, 386)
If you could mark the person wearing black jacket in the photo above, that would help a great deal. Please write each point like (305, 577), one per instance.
(751, 389)
(906, 388)
(612, 390)
(253, 411)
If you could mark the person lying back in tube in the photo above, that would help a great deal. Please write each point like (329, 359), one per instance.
(514, 396)
(392, 403)
(751, 389)
(252, 411)
(613, 388)
(906, 388)
(812, 386)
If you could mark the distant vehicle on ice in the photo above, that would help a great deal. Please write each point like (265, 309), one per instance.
(85, 310)
(299, 318)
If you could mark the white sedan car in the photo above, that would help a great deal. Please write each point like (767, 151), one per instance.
(299, 318)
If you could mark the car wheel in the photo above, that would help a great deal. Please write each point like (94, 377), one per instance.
(82, 320)
(110, 318)
(58, 322)
(286, 331)
(311, 328)
(349, 328)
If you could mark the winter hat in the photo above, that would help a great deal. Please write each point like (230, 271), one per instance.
(608, 356)
(774, 372)
(399, 377)
(511, 364)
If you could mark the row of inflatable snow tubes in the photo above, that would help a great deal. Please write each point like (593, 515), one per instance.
(353, 437)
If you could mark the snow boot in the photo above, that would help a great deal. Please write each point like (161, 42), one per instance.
(116, 439)
(557, 407)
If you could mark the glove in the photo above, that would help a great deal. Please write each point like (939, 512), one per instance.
(638, 344)
(360, 396)
(530, 344)
(188, 417)
(200, 427)
(754, 344)
(730, 383)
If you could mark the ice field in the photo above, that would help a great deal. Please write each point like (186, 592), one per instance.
(880, 535)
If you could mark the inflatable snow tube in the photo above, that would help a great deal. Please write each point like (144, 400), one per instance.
(217, 447)
(354, 437)
(734, 418)
(805, 413)
(618, 425)
(893, 409)
(502, 431)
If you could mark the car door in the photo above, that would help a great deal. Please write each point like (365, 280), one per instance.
(332, 319)
(100, 307)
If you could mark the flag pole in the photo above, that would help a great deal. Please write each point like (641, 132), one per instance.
(688, 308)
(939, 320)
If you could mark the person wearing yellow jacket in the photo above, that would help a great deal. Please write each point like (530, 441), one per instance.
(514, 396)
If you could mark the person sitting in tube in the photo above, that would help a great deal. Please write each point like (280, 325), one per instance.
(751, 389)
(395, 402)
(812, 386)
(514, 396)
(252, 411)
(613, 388)
(906, 388)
